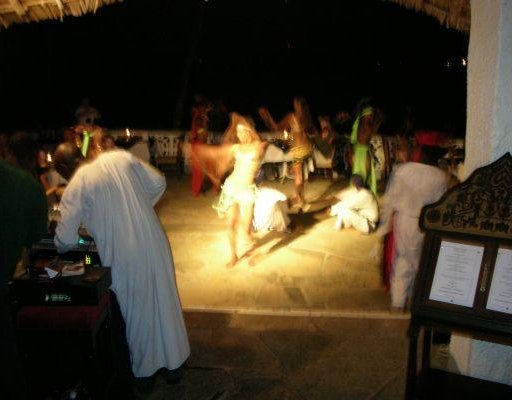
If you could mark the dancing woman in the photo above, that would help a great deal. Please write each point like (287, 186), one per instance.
(300, 126)
(243, 149)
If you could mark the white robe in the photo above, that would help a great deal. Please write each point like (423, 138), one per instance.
(113, 197)
(270, 211)
(411, 186)
(357, 209)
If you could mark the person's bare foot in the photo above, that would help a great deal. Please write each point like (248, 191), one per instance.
(295, 201)
(295, 205)
(232, 263)
(306, 207)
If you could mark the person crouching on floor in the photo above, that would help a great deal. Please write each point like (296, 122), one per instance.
(357, 207)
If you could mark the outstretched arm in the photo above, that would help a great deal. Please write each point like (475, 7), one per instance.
(213, 160)
(267, 118)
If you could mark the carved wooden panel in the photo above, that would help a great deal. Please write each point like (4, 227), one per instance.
(481, 205)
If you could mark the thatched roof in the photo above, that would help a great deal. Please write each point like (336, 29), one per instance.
(16, 11)
(454, 14)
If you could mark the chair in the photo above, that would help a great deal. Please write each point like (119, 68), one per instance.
(321, 162)
(168, 153)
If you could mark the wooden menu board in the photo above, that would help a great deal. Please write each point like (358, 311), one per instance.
(464, 282)
(465, 274)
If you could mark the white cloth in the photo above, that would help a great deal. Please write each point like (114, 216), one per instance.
(357, 209)
(113, 197)
(322, 161)
(274, 154)
(140, 150)
(270, 211)
(411, 186)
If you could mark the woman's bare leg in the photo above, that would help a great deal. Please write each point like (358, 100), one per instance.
(232, 218)
(298, 180)
(245, 223)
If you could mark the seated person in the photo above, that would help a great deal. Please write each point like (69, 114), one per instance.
(270, 211)
(357, 208)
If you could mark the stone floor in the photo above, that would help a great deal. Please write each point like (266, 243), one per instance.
(305, 317)
(313, 270)
(297, 358)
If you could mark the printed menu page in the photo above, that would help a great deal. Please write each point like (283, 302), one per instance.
(500, 295)
(456, 274)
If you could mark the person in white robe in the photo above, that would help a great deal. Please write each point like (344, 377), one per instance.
(113, 198)
(270, 211)
(357, 208)
(412, 185)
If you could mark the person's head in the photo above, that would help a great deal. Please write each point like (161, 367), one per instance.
(365, 102)
(41, 158)
(325, 122)
(240, 130)
(66, 159)
(357, 181)
(402, 152)
(199, 99)
(69, 135)
(243, 133)
(342, 116)
(22, 151)
(108, 143)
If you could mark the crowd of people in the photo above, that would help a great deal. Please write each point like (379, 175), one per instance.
(110, 191)
(415, 179)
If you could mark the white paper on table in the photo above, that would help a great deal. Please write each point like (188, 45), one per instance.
(73, 269)
(456, 274)
(51, 273)
(500, 295)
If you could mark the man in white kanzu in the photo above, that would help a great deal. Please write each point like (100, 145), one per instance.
(357, 207)
(411, 186)
(113, 198)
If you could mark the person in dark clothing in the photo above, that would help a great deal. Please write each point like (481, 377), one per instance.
(342, 124)
(22, 151)
(23, 220)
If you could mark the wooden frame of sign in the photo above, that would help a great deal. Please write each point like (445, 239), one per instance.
(464, 283)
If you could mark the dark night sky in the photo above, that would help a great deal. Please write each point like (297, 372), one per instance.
(129, 59)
